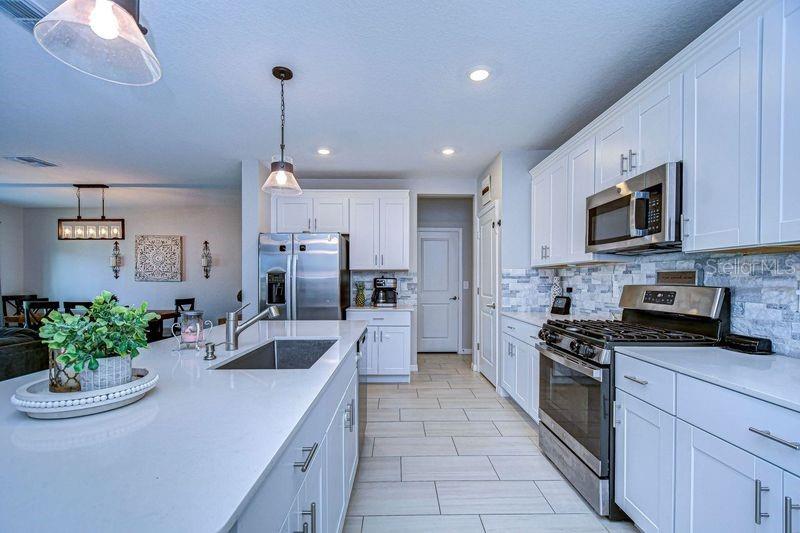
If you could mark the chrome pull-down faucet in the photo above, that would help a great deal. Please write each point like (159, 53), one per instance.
(233, 329)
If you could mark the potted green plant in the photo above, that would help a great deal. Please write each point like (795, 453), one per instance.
(100, 344)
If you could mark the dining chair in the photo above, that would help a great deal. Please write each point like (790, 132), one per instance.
(12, 308)
(69, 307)
(35, 310)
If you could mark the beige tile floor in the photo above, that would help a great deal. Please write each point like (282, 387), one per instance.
(445, 453)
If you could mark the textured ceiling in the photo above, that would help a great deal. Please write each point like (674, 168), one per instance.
(382, 83)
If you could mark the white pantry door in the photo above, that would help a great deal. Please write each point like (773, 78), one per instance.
(487, 295)
(439, 253)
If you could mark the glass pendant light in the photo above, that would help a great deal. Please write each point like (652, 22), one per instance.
(100, 38)
(281, 180)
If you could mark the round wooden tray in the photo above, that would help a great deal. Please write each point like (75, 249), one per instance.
(36, 400)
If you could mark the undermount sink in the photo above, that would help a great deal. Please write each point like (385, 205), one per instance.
(281, 354)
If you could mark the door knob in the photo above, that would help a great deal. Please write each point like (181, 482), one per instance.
(491, 306)
(454, 298)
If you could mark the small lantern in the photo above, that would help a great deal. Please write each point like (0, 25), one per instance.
(115, 261)
(205, 259)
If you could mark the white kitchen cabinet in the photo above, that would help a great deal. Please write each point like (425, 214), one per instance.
(388, 347)
(508, 365)
(523, 357)
(364, 233)
(614, 141)
(312, 492)
(656, 127)
(557, 251)
(342, 448)
(717, 486)
(393, 350)
(720, 171)
(791, 503)
(394, 234)
(541, 209)
(780, 124)
(331, 215)
(581, 185)
(293, 214)
(644, 459)
(350, 441)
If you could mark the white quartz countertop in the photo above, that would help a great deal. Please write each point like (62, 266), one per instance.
(186, 457)
(772, 378)
(538, 319)
(404, 308)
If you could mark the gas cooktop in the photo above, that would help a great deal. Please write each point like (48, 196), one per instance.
(620, 331)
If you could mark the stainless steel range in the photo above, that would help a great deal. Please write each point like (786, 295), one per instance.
(576, 378)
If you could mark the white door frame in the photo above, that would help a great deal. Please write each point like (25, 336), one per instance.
(420, 231)
(479, 212)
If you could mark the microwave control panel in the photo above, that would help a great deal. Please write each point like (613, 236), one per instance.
(654, 213)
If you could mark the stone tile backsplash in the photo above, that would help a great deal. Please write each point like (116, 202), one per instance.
(765, 289)
(406, 285)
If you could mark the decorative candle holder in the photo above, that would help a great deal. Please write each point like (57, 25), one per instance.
(192, 330)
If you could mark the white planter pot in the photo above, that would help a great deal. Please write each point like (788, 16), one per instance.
(112, 371)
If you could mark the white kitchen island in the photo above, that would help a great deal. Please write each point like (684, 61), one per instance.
(197, 453)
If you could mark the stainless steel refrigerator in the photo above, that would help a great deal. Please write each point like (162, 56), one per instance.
(306, 275)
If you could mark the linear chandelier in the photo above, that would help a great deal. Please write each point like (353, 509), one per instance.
(91, 229)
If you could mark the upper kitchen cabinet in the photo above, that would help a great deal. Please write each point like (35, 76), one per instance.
(314, 211)
(614, 143)
(720, 171)
(541, 215)
(657, 127)
(293, 214)
(780, 124)
(581, 185)
(379, 231)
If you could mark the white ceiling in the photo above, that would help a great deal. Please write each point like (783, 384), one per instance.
(382, 83)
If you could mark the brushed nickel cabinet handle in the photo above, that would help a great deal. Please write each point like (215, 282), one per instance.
(760, 489)
(312, 513)
(640, 381)
(768, 434)
(788, 507)
(631, 155)
(312, 451)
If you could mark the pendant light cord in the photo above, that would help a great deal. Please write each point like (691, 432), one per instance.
(283, 120)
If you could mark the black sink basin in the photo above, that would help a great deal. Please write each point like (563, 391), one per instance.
(281, 354)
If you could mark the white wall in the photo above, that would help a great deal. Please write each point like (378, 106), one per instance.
(454, 213)
(11, 259)
(78, 270)
(254, 220)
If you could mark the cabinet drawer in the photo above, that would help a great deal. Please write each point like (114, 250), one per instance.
(730, 415)
(650, 383)
(381, 318)
(520, 330)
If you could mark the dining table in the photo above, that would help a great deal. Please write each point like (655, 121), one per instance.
(156, 333)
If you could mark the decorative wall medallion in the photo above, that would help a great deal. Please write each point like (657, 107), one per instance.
(159, 258)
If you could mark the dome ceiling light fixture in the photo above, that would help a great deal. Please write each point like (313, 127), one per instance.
(101, 38)
(281, 180)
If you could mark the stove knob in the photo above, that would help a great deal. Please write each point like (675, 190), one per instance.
(543, 335)
(575, 346)
(553, 337)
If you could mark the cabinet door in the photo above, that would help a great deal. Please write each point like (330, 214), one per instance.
(644, 463)
(540, 217)
(372, 349)
(394, 243)
(334, 466)
(613, 144)
(508, 368)
(780, 124)
(581, 185)
(395, 350)
(658, 126)
(293, 214)
(350, 441)
(791, 503)
(558, 247)
(331, 215)
(522, 358)
(364, 235)
(312, 493)
(721, 143)
(716, 486)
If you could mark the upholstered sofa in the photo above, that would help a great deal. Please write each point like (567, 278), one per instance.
(21, 352)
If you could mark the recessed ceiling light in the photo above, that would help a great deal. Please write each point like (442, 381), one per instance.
(479, 74)
(324, 151)
(448, 151)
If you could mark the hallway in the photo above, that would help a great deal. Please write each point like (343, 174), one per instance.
(444, 453)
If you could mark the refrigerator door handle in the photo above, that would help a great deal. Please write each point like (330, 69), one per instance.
(294, 288)
(289, 283)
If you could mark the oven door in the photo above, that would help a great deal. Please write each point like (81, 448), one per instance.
(639, 213)
(575, 405)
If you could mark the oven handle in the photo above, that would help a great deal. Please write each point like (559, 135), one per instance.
(571, 363)
(637, 219)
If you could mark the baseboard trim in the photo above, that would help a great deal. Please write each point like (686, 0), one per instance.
(465, 351)
(414, 368)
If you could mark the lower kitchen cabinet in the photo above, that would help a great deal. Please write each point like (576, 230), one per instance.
(519, 364)
(791, 502)
(308, 487)
(720, 487)
(644, 484)
(388, 347)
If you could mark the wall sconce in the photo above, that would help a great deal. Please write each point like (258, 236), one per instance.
(205, 259)
(115, 261)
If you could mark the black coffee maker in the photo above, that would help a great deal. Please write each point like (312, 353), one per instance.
(384, 292)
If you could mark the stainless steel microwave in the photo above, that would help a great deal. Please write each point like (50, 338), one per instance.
(637, 216)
